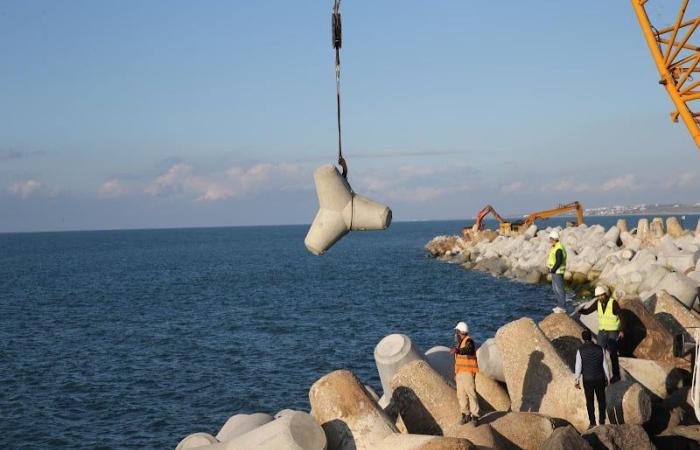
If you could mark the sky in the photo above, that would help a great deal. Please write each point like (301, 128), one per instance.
(155, 114)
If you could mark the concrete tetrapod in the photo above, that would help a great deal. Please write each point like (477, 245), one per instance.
(440, 359)
(564, 334)
(240, 424)
(391, 353)
(489, 357)
(294, 431)
(660, 378)
(680, 286)
(644, 336)
(672, 314)
(340, 211)
(566, 438)
(419, 442)
(425, 401)
(538, 379)
(521, 430)
(619, 437)
(196, 440)
(350, 418)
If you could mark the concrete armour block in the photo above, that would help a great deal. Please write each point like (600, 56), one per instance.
(565, 438)
(196, 440)
(350, 418)
(619, 437)
(660, 378)
(621, 225)
(684, 262)
(392, 353)
(680, 286)
(489, 357)
(674, 228)
(644, 336)
(442, 361)
(521, 430)
(241, 424)
(672, 314)
(425, 401)
(538, 379)
(564, 334)
(295, 431)
(419, 442)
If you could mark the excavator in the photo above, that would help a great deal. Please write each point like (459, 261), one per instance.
(508, 227)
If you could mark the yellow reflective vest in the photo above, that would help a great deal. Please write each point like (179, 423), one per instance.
(552, 259)
(607, 321)
(465, 363)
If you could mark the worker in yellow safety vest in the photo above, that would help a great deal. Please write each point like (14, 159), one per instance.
(556, 264)
(610, 326)
(466, 368)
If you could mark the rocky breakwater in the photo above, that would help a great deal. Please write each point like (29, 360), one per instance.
(640, 262)
(535, 406)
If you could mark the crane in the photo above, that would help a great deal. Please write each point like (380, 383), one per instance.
(677, 60)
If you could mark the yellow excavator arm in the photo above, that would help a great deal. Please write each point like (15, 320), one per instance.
(676, 59)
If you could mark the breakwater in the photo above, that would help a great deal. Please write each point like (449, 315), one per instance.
(525, 384)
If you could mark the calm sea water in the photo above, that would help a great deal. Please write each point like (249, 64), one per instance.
(134, 339)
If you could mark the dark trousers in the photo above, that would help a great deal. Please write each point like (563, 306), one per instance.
(608, 340)
(596, 387)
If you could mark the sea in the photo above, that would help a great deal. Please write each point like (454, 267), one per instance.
(135, 339)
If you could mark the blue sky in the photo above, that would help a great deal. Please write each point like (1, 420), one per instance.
(173, 113)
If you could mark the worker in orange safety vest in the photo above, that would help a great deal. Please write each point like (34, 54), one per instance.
(466, 368)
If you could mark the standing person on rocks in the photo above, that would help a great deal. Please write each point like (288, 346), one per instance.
(591, 366)
(466, 368)
(556, 263)
(610, 328)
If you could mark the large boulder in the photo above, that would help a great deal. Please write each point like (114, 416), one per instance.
(538, 379)
(618, 437)
(350, 418)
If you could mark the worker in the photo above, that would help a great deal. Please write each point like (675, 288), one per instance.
(591, 366)
(466, 368)
(556, 263)
(610, 328)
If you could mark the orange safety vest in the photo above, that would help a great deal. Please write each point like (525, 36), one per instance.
(465, 363)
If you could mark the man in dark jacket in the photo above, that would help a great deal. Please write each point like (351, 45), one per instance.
(591, 366)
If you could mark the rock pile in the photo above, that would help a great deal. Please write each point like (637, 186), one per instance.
(525, 386)
(536, 407)
(643, 261)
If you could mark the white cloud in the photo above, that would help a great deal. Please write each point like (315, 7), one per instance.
(625, 182)
(24, 188)
(114, 188)
(232, 182)
(516, 186)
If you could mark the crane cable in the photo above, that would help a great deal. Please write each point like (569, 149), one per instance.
(337, 31)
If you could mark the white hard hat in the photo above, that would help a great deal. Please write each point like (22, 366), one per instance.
(600, 290)
(554, 235)
(462, 327)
